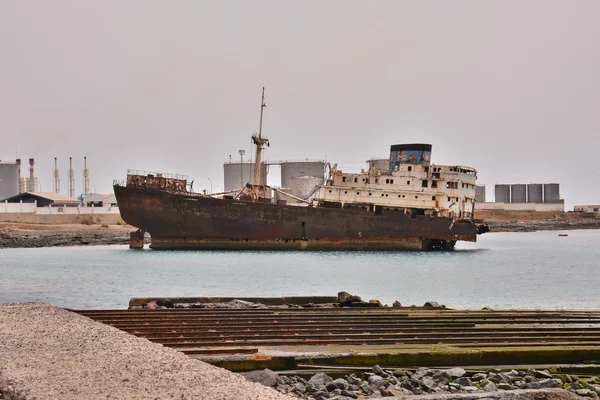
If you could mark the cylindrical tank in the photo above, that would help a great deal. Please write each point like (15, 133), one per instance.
(502, 193)
(480, 193)
(382, 164)
(301, 177)
(535, 193)
(236, 175)
(9, 180)
(551, 193)
(518, 193)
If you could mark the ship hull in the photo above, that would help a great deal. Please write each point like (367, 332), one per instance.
(190, 221)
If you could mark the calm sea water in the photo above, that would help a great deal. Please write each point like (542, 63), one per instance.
(503, 270)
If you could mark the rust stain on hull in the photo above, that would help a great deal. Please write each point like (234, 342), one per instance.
(190, 221)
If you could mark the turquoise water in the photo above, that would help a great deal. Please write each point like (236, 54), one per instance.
(502, 270)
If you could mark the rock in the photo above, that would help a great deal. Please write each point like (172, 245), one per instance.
(420, 373)
(505, 386)
(433, 304)
(377, 369)
(542, 375)
(339, 383)
(396, 304)
(366, 389)
(429, 383)
(442, 377)
(520, 384)
(350, 393)
(463, 381)
(320, 379)
(586, 393)
(375, 303)
(344, 297)
(488, 386)
(544, 384)
(575, 386)
(377, 381)
(265, 377)
(479, 376)
(299, 388)
(470, 389)
(455, 372)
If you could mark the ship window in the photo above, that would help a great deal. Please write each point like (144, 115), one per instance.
(381, 194)
(355, 179)
(386, 195)
(434, 184)
(363, 179)
(376, 180)
(432, 197)
(345, 192)
(403, 196)
(358, 193)
(387, 181)
(329, 190)
(424, 183)
(416, 197)
(426, 170)
(409, 168)
(399, 196)
(408, 182)
(391, 181)
(369, 193)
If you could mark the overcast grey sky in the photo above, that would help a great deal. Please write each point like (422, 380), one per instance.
(511, 88)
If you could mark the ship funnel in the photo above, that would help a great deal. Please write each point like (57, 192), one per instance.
(31, 182)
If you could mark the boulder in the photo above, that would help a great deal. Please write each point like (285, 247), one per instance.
(265, 377)
(463, 381)
(320, 379)
(339, 383)
(586, 393)
(488, 386)
(543, 375)
(455, 372)
(544, 384)
(377, 369)
(505, 386)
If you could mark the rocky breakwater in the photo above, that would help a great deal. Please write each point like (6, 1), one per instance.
(380, 382)
(344, 299)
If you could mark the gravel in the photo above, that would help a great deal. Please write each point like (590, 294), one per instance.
(50, 353)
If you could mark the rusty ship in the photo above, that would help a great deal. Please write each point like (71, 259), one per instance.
(406, 204)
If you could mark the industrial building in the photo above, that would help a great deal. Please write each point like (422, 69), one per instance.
(480, 193)
(525, 197)
(44, 199)
(587, 209)
(9, 179)
(100, 200)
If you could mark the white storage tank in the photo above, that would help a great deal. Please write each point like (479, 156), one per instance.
(301, 177)
(9, 180)
(236, 175)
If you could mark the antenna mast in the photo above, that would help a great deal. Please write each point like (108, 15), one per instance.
(56, 177)
(260, 142)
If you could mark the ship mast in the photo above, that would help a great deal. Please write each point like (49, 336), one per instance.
(260, 142)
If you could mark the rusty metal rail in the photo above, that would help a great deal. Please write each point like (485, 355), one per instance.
(226, 331)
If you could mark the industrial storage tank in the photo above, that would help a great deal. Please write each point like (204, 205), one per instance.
(518, 193)
(9, 180)
(551, 193)
(301, 177)
(382, 164)
(502, 193)
(480, 193)
(237, 175)
(535, 193)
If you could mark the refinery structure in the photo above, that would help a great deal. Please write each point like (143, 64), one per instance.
(17, 177)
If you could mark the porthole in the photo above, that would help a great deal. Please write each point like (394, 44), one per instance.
(345, 192)
(386, 195)
(416, 197)
(370, 193)
(329, 190)
(358, 193)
